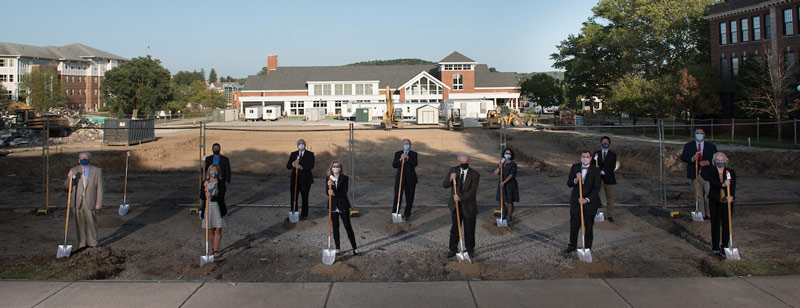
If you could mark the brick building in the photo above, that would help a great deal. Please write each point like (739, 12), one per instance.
(748, 28)
(80, 70)
(340, 89)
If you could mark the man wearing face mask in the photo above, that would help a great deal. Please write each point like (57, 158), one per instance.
(221, 161)
(301, 162)
(702, 152)
(467, 180)
(87, 197)
(607, 161)
(586, 172)
(407, 159)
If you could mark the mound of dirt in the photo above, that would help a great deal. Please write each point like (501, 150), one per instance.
(299, 226)
(699, 227)
(395, 228)
(493, 229)
(466, 268)
(337, 271)
(195, 270)
(598, 268)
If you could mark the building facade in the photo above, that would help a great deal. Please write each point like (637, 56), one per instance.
(227, 88)
(80, 70)
(750, 28)
(340, 89)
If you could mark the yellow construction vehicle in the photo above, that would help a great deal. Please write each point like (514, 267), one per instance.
(496, 118)
(393, 117)
(24, 116)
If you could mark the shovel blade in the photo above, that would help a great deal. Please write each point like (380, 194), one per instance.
(697, 216)
(502, 222)
(585, 255)
(63, 251)
(206, 259)
(397, 218)
(123, 209)
(599, 217)
(732, 254)
(294, 217)
(328, 256)
(463, 257)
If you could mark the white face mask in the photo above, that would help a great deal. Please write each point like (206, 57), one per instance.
(336, 170)
(301, 146)
(586, 160)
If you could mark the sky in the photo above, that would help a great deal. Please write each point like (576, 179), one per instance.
(235, 37)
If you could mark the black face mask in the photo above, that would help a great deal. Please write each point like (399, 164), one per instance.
(464, 166)
(216, 152)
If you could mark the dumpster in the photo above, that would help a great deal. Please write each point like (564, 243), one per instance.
(128, 132)
(362, 115)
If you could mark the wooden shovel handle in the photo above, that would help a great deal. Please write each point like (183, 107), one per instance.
(400, 186)
(458, 216)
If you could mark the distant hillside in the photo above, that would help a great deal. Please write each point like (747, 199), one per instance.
(555, 74)
(393, 62)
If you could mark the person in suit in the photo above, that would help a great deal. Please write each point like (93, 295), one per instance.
(87, 197)
(606, 160)
(703, 152)
(467, 180)
(718, 199)
(340, 205)
(409, 179)
(301, 162)
(213, 190)
(586, 172)
(221, 161)
(508, 184)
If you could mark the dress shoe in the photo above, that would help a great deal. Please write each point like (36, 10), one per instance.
(610, 219)
(568, 251)
(303, 218)
(451, 254)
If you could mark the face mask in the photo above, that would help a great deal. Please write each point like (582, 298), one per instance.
(301, 146)
(605, 145)
(464, 166)
(336, 170)
(406, 147)
(720, 164)
(216, 152)
(586, 160)
(507, 156)
(213, 174)
(699, 137)
(84, 162)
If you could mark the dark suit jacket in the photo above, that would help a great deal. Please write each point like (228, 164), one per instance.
(339, 199)
(591, 186)
(307, 163)
(608, 165)
(224, 166)
(467, 190)
(219, 198)
(690, 149)
(409, 172)
(711, 175)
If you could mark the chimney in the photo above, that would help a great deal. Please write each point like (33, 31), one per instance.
(272, 62)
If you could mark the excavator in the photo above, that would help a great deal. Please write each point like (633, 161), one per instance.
(496, 118)
(393, 117)
(22, 115)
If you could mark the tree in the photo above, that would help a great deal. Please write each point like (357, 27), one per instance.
(186, 77)
(212, 76)
(3, 94)
(763, 86)
(639, 97)
(139, 84)
(695, 94)
(543, 89)
(263, 71)
(43, 89)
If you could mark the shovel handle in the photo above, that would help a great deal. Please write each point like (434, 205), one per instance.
(458, 218)
(125, 185)
(583, 227)
(69, 199)
(730, 223)
(329, 214)
(696, 183)
(207, 217)
(400, 186)
(294, 196)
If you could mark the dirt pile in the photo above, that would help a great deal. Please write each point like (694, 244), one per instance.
(598, 268)
(493, 229)
(395, 228)
(299, 226)
(336, 271)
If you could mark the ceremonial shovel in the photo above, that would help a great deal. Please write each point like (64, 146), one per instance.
(462, 255)
(396, 216)
(502, 221)
(584, 254)
(125, 206)
(65, 250)
(329, 255)
(696, 215)
(730, 252)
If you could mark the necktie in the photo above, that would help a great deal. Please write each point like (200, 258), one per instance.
(604, 155)
(463, 175)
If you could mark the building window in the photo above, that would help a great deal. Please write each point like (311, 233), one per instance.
(723, 33)
(735, 67)
(10, 78)
(789, 60)
(424, 86)
(321, 104)
(734, 32)
(2, 78)
(767, 27)
(745, 30)
(343, 89)
(788, 22)
(458, 82)
(2, 62)
(723, 68)
(756, 28)
(337, 107)
(458, 67)
(296, 108)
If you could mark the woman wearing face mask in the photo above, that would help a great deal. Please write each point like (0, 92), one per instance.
(340, 205)
(507, 185)
(214, 188)
(718, 199)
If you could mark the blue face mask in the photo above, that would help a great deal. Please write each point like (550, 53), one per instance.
(720, 164)
(406, 147)
(699, 137)
(507, 156)
(84, 162)
(605, 145)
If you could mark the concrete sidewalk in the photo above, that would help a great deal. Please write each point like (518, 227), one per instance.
(777, 291)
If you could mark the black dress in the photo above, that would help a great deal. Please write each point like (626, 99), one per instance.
(511, 188)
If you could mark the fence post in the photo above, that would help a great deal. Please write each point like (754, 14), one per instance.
(662, 167)
(733, 127)
(795, 131)
(352, 170)
(758, 130)
(691, 121)
(712, 128)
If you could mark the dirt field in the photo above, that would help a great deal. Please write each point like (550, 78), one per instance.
(159, 239)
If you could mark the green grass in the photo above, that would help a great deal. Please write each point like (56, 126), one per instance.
(754, 267)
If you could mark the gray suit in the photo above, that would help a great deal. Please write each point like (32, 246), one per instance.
(87, 193)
